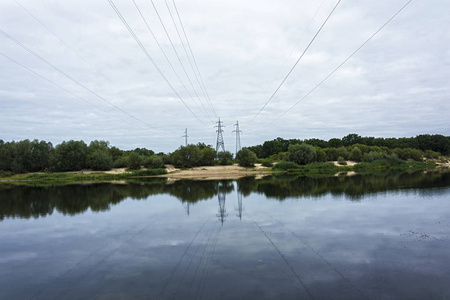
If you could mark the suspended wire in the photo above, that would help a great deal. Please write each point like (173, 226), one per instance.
(341, 64)
(50, 81)
(296, 44)
(63, 42)
(162, 50)
(298, 60)
(187, 54)
(179, 60)
(151, 59)
(205, 91)
(61, 87)
(69, 77)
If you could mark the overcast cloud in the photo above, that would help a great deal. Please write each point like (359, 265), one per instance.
(103, 86)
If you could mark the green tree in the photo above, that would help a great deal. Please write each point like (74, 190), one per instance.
(70, 156)
(301, 154)
(356, 154)
(225, 158)
(187, 156)
(98, 157)
(134, 161)
(208, 155)
(246, 158)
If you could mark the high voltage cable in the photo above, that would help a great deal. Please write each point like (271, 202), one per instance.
(296, 44)
(341, 64)
(179, 59)
(185, 51)
(151, 59)
(162, 50)
(62, 41)
(298, 60)
(69, 77)
(59, 86)
(195, 62)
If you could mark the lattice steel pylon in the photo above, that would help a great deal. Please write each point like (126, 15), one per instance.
(238, 137)
(220, 143)
(185, 136)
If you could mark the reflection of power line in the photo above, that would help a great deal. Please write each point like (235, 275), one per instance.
(222, 210)
(240, 207)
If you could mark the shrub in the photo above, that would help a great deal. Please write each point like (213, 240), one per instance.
(267, 163)
(341, 161)
(134, 161)
(301, 154)
(225, 158)
(154, 162)
(286, 165)
(246, 158)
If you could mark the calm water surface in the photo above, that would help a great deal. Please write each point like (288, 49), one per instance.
(361, 237)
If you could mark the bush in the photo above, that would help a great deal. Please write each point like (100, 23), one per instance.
(341, 161)
(99, 161)
(134, 161)
(286, 165)
(267, 163)
(225, 158)
(246, 158)
(154, 162)
(301, 154)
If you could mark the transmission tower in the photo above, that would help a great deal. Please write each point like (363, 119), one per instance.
(238, 137)
(220, 143)
(185, 137)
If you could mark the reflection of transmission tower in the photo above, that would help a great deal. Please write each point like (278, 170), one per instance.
(185, 136)
(222, 210)
(240, 208)
(238, 137)
(220, 143)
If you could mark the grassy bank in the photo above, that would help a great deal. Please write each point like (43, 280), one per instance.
(73, 177)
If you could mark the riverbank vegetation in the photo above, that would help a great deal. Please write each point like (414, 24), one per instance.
(310, 155)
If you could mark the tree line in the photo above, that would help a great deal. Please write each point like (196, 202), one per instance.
(436, 143)
(41, 156)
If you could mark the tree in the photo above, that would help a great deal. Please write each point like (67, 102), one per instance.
(187, 156)
(70, 156)
(301, 154)
(356, 154)
(208, 156)
(351, 139)
(225, 158)
(134, 161)
(246, 158)
(98, 157)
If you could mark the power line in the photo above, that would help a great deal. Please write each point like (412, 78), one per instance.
(150, 58)
(341, 64)
(164, 53)
(298, 60)
(68, 76)
(198, 77)
(62, 41)
(179, 59)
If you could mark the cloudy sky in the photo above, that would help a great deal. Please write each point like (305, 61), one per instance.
(73, 70)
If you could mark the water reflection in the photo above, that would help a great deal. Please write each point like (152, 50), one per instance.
(39, 201)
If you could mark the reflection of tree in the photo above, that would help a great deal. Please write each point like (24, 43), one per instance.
(32, 201)
(246, 185)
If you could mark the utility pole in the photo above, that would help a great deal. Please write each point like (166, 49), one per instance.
(185, 136)
(220, 143)
(238, 137)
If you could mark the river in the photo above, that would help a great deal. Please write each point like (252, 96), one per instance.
(279, 237)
